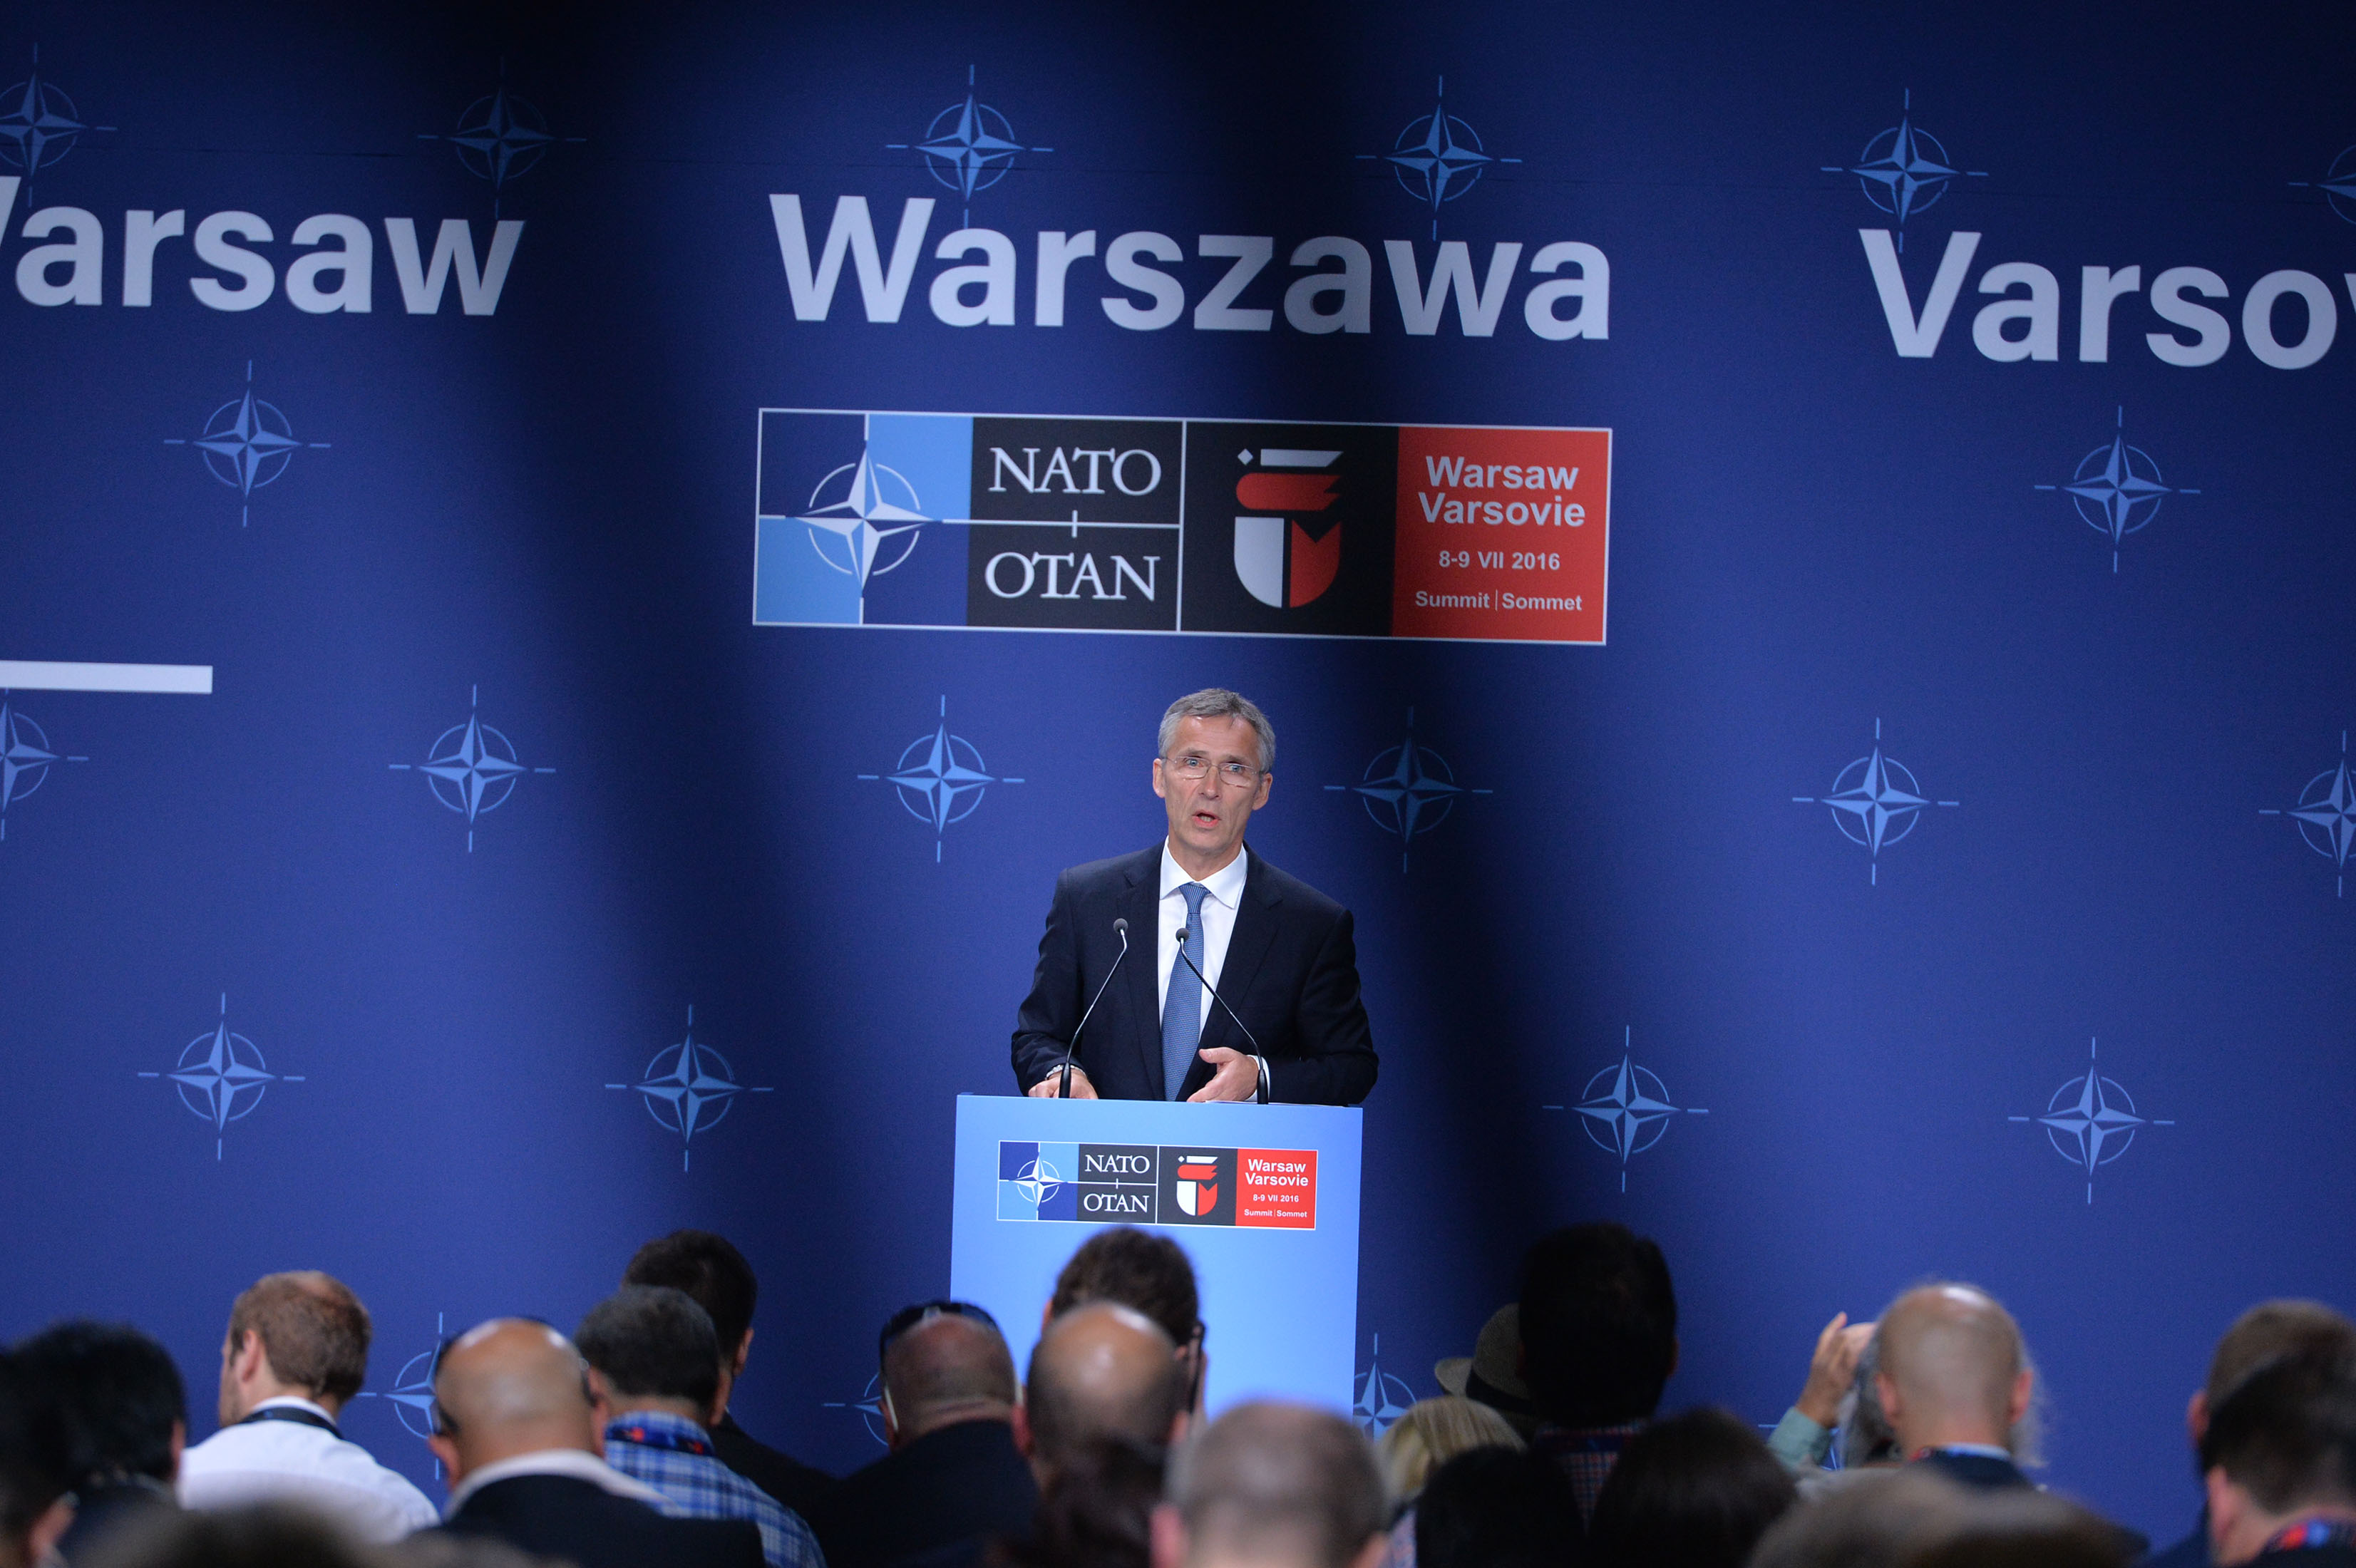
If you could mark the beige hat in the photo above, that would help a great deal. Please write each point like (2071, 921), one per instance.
(1492, 1374)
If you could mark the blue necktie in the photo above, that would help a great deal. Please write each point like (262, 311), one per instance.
(1182, 1015)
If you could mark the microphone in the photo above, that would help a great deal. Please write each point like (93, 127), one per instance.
(1064, 1087)
(1183, 932)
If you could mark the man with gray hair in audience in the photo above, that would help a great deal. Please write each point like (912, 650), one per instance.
(1272, 1486)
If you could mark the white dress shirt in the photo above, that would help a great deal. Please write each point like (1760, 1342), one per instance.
(1226, 891)
(577, 1463)
(289, 1461)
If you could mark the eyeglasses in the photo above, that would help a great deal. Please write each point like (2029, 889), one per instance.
(907, 1318)
(1193, 768)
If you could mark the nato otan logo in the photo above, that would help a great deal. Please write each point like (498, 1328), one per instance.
(247, 443)
(2325, 815)
(411, 1394)
(39, 123)
(2338, 185)
(26, 757)
(689, 1088)
(1438, 157)
(223, 1077)
(1625, 1108)
(2117, 488)
(870, 1406)
(1875, 802)
(1408, 790)
(2091, 1120)
(969, 145)
(471, 767)
(1378, 1398)
(500, 138)
(1904, 170)
(940, 778)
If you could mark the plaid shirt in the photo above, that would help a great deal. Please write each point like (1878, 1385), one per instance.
(1586, 1455)
(700, 1487)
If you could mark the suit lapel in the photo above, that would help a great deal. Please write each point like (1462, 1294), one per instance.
(1248, 946)
(1139, 908)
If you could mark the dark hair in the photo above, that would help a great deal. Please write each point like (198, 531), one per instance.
(653, 1341)
(1696, 1491)
(1599, 1324)
(2270, 1331)
(2020, 1528)
(1096, 1510)
(32, 1449)
(1497, 1507)
(1148, 1273)
(313, 1329)
(2289, 1431)
(709, 1269)
(118, 1394)
(1267, 1473)
(271, 1535)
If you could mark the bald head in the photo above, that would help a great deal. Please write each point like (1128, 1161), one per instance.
(510, 1387)
(945, 1368)
(1276, 1485)
(1102, 1370)
(1952, 1368)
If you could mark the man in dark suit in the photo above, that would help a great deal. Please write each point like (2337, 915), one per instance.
(2280, 1460)
(1280, 952)
(514, 1427)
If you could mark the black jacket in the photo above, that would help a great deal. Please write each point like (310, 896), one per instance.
(956, 1484)
(784, 1477)
(567, 1518)
(1291, 972)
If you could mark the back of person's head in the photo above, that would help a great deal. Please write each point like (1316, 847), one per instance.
(1279, 1485)
(1695, 1490)
(313, 1329)
(119, 1394)
(1952, 1359)
(2269, 1331)
(1866, 1438)
(651, 1341)
(2287, 1436)
(2024, 1528)
(1430, 1432)
(1599, 1325)
(1096, 1509)
(711, 1270)
(1880, 1520)
(33, 1461)
(1138, 1269)
(947, 1363)
(505, 1387)
(1102, 1370)
(1497, 1507)
(270, 1535)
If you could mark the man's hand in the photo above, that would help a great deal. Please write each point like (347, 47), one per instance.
(1049, 1087)
(1833, 1368)
(1237, 1077)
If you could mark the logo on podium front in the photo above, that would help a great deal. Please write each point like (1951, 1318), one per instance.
(1140, 1184)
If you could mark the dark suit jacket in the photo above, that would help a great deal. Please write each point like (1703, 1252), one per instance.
(1291, 972)
(957, 1483)
(564, 1516)
(784, 1477)
(1980, 1472)
(105, 1509)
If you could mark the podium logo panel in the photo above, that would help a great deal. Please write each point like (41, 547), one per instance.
(1140, 1184)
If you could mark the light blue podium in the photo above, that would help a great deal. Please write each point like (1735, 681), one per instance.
(1263, 1198)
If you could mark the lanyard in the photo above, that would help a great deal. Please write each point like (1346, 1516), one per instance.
(296, 1414)
(2311, 1535)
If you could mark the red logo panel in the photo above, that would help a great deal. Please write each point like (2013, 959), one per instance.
(1502, 534)
(1277, 1188)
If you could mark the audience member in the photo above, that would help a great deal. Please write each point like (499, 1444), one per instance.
(654, 1376)
(1096, 1509)
(954, 1474)
(1881, 1519)
(295, 1353)
(1430, 1432)
(267, 1535)
(1492, 1374)
(1149, 1274)
(515, 1429)
(1956, 1382)
(1272, 1485)
(1598, 1320)
(33, 1508)
(2265, 1332)
(1804, 1436)
(711, 1270)
(1695, 1490)
(2280, 1461)
(1866, 1438)
(1497, 1507)
(2023, 1528)
(125, 1415)
(1102, 1370)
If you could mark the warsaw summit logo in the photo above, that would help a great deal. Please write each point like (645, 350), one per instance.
(223, 1078)
(1140, 1184)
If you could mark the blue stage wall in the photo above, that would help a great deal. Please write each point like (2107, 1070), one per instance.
(1972, 716)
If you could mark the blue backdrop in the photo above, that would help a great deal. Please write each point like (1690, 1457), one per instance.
(1972, 718)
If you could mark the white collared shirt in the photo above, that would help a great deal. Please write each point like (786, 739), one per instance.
(290, 1461)
(1219, 906)
(577, 1463)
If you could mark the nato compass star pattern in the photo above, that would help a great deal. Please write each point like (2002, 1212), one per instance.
(223, 1077)
(1408, 790)
(247, 444)
(500, 138)
(1378, 1398)
(969, 147)
(471, 767)
(2325, 815)
(1874, 802)
(873, 525)
(870, 1406)
(2338, 185)
(25, 757)
(1438, 157)
(1904, 170)
(940, 778)
(2117, 488)
(689, 1088)
(1625, 1110)
(39, 123)
(2091, 1120)
(411, 1395)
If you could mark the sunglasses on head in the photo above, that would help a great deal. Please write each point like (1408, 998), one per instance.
(907, 1318)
